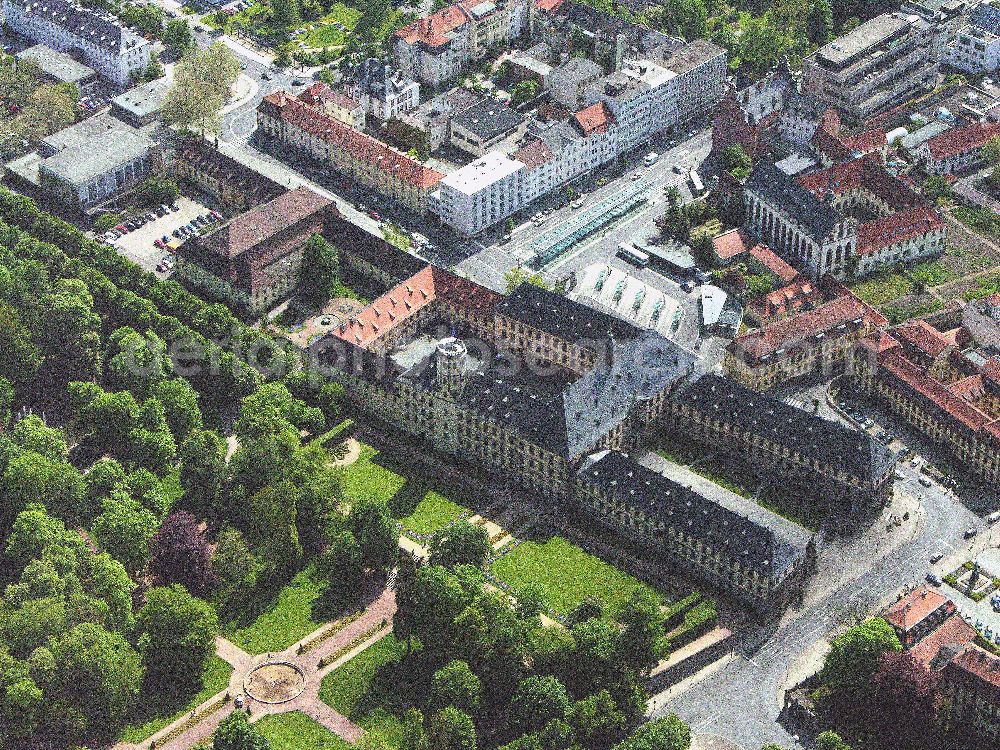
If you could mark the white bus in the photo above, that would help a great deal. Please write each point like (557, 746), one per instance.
(633, 255)
(697, 187)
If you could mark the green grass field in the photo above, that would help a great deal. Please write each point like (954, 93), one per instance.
(565, 574)
(883, 288)
(214, 680)
(345, 688)
(432, 513)
(287, 620)
(296, 731)
(419, 509)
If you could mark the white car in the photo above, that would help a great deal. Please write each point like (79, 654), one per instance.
(578, 203)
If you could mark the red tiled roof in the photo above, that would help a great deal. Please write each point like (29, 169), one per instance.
(866, 173)
(923, 336)
(534, 154)
(785, 334)
(915, 606)
(991, 370)
(319, 92)
(433, 31)
(879, 343)
(897, 227)
(978, 670)
(548, 5)
(363, 147)
(263, 222)
(408, 297)
(730, 245)
(594, 119)
(867, 141)
(896, 364)
(767, 258)
(970, 388)
(787, 299)
(944, 643)
(959, 140)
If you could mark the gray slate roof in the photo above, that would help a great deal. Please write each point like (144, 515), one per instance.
(785, 193)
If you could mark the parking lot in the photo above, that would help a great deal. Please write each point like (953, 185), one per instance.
(139, 244)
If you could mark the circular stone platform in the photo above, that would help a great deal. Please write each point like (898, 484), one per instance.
(274, 682)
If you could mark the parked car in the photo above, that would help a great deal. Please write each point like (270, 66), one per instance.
(265, 76)
(160, 244)
(934, 579)
(937, 557)
(971, 532)
(925, 481)
(578, 203)
(175, 206)
(216, 215)
(298, 82)
(993, 517)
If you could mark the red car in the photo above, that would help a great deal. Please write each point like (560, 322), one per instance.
(160, 244)
(375, 215)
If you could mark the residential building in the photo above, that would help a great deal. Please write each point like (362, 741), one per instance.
(732, 542)
(95, 160)
(482, 126)
(957, 149)
(252, 261)
(113, 50)
(975, 48)
(437, 48)
(481, 193)
(872, 68)
(382, 91)
(968, 674)
(358, 156)
(335, 103)
(800, 295)
(237, 187)
(920, 373)
(847, 220)
(786, 447)
(818, 339)
(59, 67)
(568, 81)
(432, 119)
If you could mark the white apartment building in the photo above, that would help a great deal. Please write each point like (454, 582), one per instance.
(878, 65)
(114, 51)
(975, 48)
(480, 194)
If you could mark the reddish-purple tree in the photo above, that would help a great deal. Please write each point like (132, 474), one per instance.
(903, 703)
(180, 553)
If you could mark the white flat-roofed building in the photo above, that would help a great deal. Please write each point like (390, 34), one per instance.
(975, 48)
(878, 65)
(114, 51)
(480, 194)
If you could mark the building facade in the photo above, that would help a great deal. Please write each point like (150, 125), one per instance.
(881, 63)
(957, 149)
(480, 194)
(113, 50)
(975, 48)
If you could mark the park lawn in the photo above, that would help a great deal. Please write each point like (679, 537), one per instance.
(296, 731)
(345, 687)
(433, 512)
(883, 288)
(932, 273)
(565, 575)
(215, 679)
(287, 620)
(365, 479)
(320, 37)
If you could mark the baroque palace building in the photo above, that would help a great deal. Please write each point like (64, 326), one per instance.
(553, 395)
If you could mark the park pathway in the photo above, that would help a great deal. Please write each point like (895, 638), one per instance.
(335, 644)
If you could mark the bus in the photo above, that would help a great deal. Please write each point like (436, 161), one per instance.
(697, 187)
(633, 255)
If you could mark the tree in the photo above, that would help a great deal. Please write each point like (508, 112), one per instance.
(413, 736)
(70, 332)
(176, 636)
(156, 190)
(376, 535)
(97, 677)
(124, 529)
(643, 627)
(937, 187)
(177, 36)
(106, 221)
(455, 685)
(596, 721)
(148, 19)
(50, 109)
(991, 151)
(30, 477)
(32, 434)
(736, 161)
(180, 406)
(523, 92)
(667, 733)
(319, 272)
(432, 605)
(854, 655)
(902, 710)
(758, 285)
(451, 729)
(819, 26)
(517, 276)
(203, 470)
(285, 14)
(341, 566)
(237, 733)
(180, 553)
(832, 741)
(236, 566)
(537, 701)
(460, 543)
(202, 83)
(20, 356)
(6, 402)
